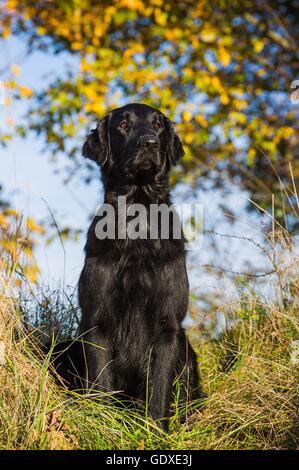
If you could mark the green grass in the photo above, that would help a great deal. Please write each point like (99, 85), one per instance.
(247, 372)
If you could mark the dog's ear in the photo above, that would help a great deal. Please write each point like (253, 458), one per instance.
(97, 145)
(175, 149)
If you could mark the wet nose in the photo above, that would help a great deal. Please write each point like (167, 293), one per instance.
(149, 142)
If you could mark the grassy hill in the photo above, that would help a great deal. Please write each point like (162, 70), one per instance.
(250, 373)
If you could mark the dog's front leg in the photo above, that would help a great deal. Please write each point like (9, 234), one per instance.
(161, 374)
(98, 363)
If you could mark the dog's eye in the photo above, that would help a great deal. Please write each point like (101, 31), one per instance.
(156, 125)
(123, 124)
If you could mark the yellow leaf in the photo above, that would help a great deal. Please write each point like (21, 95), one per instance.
(188, 138)
(187, 116)
(15, 69)
(97, 108)
(85, 66)
(111, 10)
(212, 67)
(261, 72)
(11, 4)
(240, 104)
(76, 46)
(251, 156)
(188, 72)
(135, 49)
(99, 30)
(132, 4)
(6, 33)
(160, 17)
(11, 212)
(82, 119)
(170, 34)
(69, 128)
(224, 99)
(3, 221)
(208, 34)
(258, 45)
(25, 92)
(33, 227)
(201, 120)
(238, 117)
(287, 132)
(41, 30)
(224, 56)
(194, 41)
(31, 272)
(11, 84)
(216, 83)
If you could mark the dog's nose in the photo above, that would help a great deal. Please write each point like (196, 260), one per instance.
(148, 142)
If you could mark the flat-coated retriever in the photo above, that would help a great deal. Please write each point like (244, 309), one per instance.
(133, 292)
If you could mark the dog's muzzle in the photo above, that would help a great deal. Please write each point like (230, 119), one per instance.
(145, 165)
(143, 169)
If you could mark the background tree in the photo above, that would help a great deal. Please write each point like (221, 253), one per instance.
(221, 69)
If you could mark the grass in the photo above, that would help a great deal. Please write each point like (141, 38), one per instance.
(247, 372)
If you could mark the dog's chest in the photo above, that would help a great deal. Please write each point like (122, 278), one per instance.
(137, 271)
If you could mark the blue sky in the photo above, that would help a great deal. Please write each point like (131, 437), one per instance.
(30, 178)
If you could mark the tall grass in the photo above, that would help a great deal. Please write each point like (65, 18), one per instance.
(248, 372)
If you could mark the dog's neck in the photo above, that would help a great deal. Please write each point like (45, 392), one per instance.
(154, 193)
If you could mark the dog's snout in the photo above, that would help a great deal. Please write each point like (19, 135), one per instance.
(148, 142)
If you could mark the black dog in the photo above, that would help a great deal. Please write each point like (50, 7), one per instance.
(133, 293)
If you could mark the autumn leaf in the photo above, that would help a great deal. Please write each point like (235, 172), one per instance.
(15, 69)
(224, 56)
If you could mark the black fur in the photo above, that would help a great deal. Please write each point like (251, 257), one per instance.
(134, 293)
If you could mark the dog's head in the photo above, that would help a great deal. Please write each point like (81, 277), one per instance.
(137, 142)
